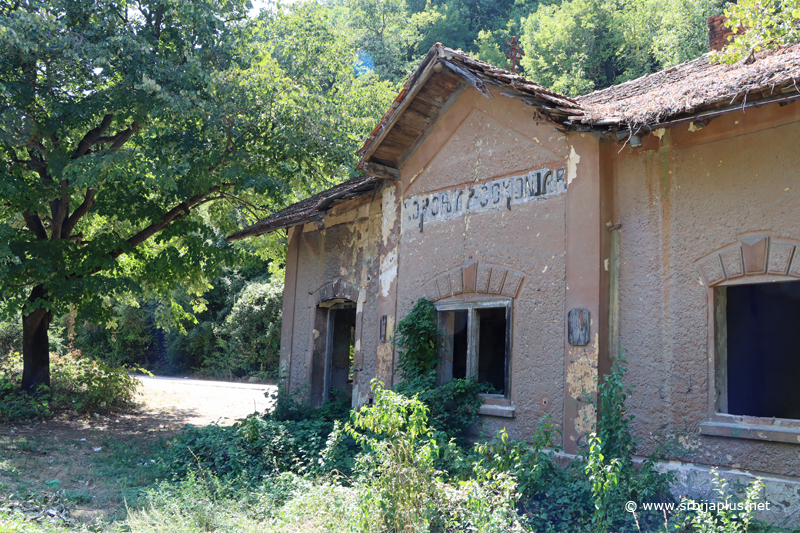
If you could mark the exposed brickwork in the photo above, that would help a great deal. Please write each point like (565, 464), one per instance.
(718, 32)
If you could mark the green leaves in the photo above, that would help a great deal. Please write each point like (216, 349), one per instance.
(582, 45)
(120, 128)
(768, 24)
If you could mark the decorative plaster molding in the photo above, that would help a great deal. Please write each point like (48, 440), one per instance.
(753, 255)
(474, 278)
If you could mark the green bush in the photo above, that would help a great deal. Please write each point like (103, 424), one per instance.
(730, 518)
(452, 406)
(397, 487)
(10, 336)
(128, 341)
(254, 325)
(258, 448)
(76, 383)
(235, 332)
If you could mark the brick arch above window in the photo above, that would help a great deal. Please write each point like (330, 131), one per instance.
(338, 289)
(752, 255)
(474, 277)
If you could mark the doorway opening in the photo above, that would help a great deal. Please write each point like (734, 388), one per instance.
(334, 351)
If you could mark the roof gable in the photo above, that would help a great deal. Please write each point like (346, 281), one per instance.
(428, 93)
(481, 148)
(693, 91)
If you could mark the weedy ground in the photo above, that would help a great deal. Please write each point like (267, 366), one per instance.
(99, 466)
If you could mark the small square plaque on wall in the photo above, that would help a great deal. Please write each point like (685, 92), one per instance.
(578, 326)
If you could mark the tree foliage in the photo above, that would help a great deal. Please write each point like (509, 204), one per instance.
(120, 122)
(572, 46)
(583, 45)
(769, 24)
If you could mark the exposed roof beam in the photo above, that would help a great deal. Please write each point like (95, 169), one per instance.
(379, 171)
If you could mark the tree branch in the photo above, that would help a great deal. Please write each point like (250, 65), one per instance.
(158, 21)
(69, 224)
(34, 224)
(120, 138)
(92, 136)
(176, 213)
(59, 209)
(39, 164)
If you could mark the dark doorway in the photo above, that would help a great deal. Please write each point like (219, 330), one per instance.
(342, 335)
(763, 349)
(333, 351)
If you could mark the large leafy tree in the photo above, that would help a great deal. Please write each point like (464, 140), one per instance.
(122, 122)
(582, 45)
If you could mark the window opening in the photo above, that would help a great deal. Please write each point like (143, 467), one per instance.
(476, 341)
(492, 348)
(758, 347)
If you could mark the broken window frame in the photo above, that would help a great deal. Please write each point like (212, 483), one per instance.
(473, 335)
(718, 422)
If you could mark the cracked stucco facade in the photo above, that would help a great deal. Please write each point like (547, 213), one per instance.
(684, 194)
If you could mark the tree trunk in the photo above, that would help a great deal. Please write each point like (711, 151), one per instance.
(36, 345)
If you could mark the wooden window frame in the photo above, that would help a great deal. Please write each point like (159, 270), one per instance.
(720, 423)
(473, 335)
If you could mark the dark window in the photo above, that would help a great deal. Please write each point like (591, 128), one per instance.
(476, 340)
(492, 347)
(760, 352)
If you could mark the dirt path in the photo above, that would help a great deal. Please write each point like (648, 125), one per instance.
(199, 402)
(102, 462)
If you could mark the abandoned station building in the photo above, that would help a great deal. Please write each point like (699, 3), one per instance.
(659, 217)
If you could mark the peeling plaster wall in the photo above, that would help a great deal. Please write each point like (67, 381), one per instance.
(345, 249)
(479, 140)
(681, 196)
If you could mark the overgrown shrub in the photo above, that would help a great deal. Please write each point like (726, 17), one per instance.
(258, 448)
(77, 384)
(254, 325)
(129, 341)
(233, 332)
(398, 481)
(10, 336)
(588, 493)
(452, 406)
(731, 516)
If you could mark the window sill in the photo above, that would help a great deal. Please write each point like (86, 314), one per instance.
(497, 406)
(766, 430)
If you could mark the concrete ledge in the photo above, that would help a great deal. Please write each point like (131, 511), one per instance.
(504, 411)
(695, 481)
(738, 430)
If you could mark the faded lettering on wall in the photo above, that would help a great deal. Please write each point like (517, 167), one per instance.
(494, 194)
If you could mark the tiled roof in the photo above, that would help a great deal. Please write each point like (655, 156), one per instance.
(691, 91)
(692, 88)
(308, 210)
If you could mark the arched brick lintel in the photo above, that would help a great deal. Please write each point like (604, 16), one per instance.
(334, 290)
(473, 277)
(752, 255)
